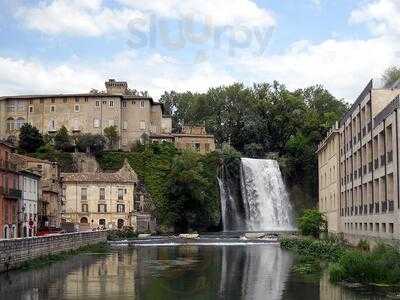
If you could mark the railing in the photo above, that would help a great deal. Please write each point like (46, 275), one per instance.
(391, 205)
(384, 206)
(371, 209)
(377, 207)
(11, 193)
(7, 165)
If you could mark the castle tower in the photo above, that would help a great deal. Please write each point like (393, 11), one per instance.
(116, 87)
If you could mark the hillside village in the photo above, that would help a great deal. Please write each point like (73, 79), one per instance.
(68, 191)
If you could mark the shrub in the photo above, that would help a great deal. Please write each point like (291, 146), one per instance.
(92, 143)
(363, 245)
(126, 233)
(63, 141)
(312, 223)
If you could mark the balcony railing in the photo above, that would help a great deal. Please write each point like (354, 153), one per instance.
(391, 205)
(7, 165)
(377, 207)
(384, 205)
(371, 209)
(11, 193)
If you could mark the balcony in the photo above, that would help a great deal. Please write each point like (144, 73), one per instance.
(391, 205)
(371, 209)
(384, 206)
(359, 172)
(377, 207)
(13, 194)
(8, 166)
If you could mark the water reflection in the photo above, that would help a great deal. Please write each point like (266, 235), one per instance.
(184, 272)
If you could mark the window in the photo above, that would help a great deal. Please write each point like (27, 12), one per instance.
(120, 194)
(142, 125)
(76, 100)
(86, 99)
(41, 100)
(120, 208)
(102, 193)
(84, 220)
(52, 125)
(53, 100)
(65, 100)
(102, 222)
(77, 108)
(19, 123)
(123, 103)
(75, 124)
(197, 146)
(102, 208)
(142, 103)
(10, 124)
(104, 102)
(83, 194)
(97, 103)
(52, 108)
(111, 103)
(85, 208)
(30, 109)
(96, 123)
(125, 125)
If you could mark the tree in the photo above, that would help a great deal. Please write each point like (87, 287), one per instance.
(92, 143)
(63, 141)
(30, 138)
(111, 134)
(312, 223)
(390, 76)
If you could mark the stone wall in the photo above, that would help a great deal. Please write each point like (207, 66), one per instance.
(354, 239)
(16, 251)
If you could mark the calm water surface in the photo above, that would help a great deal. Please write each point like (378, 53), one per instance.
(177, 272)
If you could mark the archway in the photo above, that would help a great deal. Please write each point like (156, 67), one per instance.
(84, 220)
(120, 223)
(102, 222)
(6, 232)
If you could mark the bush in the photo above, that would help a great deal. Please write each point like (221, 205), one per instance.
(92, 143)
(312, 223)
(126, 233)
(381, 266)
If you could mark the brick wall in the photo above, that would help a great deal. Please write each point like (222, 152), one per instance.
(16, 251)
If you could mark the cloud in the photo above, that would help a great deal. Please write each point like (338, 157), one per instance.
(95, 18)
(76, 18)
(381, 16)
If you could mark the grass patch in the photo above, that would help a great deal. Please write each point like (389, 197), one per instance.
(381, 266)
(44, 261)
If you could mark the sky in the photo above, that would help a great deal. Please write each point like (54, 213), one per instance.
(68, 46)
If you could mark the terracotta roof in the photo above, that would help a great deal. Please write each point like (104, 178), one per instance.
(125, 175)
(26, 158)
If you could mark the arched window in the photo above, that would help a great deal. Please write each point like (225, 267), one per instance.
(120, 223)
(84, 220)
(6, 232)
(19, 123)
(102, 222)
(10, 124)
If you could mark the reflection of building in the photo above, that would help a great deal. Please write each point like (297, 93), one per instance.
(49, 205)
(10, 194)
(100, 199)
(133, 115)
(195, 138)
(359, 167)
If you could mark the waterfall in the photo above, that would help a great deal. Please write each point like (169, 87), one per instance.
(264, 198)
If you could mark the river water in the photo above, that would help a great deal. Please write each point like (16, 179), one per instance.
(262, 271)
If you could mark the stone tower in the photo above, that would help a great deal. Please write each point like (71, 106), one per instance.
(116, 87)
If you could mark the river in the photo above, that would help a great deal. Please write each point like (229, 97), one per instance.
(262, 271)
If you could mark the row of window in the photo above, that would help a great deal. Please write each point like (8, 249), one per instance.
(13, 108)
(102, 195)
(370, 227)
(102, 208)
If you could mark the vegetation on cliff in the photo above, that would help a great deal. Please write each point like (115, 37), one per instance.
(262, 119)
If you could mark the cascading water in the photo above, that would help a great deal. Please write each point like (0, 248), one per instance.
(265, 200)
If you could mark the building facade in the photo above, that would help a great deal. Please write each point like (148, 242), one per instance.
(366, 152)
(191, 137)
(29, 204)
(100, 200)
(49, 205)
(133, 115)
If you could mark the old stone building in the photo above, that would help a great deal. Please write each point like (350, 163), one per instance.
(359, 167)
(133, 115)
(191, 137)
(102, 200)
(49, 204)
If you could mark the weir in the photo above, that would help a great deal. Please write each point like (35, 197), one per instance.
(265, 200)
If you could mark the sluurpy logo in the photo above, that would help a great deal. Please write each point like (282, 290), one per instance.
(196, 38)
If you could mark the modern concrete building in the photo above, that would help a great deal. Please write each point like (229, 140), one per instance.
(358, 166)
(119, 106)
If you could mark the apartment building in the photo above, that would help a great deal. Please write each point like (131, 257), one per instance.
(134, 115)
(367, 194)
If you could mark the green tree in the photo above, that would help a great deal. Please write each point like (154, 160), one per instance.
(63, 141)
(92, 143)
(390, 76)
(30, 138)
(312, 223)
(111, 133)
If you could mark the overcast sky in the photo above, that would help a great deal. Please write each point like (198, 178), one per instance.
(157, 45)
